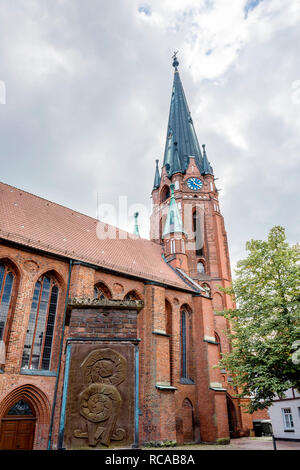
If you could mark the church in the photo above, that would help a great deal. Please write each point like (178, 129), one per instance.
(110, 340)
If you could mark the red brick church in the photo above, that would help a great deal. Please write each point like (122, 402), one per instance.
(110, 341)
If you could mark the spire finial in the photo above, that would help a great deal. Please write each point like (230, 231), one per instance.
(136, 226)
(206, 168)
(175, 60)
(157, 176)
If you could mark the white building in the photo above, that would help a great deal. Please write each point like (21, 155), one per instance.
(285, 416)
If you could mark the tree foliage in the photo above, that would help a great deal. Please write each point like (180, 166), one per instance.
(265, 323)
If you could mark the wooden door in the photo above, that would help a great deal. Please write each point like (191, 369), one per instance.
(17, 434)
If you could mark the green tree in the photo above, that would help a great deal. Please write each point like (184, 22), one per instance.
(265, 323)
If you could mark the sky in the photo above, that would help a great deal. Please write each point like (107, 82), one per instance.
(85, 91)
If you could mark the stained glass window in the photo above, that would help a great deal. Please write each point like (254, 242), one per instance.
(20, 408)
(6, 285)
(39, 337)
(183, 345)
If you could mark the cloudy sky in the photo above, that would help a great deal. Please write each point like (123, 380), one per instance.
(87, 93)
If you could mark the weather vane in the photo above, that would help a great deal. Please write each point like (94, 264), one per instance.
(175, 60)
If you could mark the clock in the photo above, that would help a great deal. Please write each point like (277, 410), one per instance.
(194, 183)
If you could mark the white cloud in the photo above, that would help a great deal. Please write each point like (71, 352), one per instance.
(88, 86)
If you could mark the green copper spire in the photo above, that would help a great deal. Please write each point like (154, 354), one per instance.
(173, 221)
(157, 177)
(181, 135)
(206, 168)
(136, 226)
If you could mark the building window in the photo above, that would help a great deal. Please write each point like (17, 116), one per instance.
(182, 245)
(165, 193)
(207, 289)
(20, 408)
(184, 345)
(172, 221)
(172, 246)
(198, 232)
(101, 291)
(6, 285)
(132, 295)
(39, 337)
(98, 293)
(287, 419)
(200, 267)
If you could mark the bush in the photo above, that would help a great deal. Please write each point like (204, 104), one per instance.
(223, 441)
(160, 444)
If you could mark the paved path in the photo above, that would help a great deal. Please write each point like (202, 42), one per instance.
(244, 443)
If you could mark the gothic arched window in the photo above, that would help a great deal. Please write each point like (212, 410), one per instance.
(186, 345)
(20, 408)
(101, 291)
(165, 193)
(132, 295)
(200, 267)
(207, 289)
(183, 340)
(39, 337)
(198, 232)
(217, 339)
(6, 288)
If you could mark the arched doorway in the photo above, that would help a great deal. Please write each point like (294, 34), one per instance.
(232, 418)
(187, 421)
(18, 427)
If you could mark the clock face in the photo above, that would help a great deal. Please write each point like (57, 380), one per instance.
(194, 183)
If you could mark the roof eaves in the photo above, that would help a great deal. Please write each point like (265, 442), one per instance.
(180, 275)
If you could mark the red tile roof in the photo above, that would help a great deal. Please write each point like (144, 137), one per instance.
(38, 223)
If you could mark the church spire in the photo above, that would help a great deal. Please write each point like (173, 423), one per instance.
(156, 177)
(181, 141)
(173, 221)
(206, 168)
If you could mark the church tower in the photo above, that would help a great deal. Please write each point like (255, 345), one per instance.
(186, 168)
(187, 223)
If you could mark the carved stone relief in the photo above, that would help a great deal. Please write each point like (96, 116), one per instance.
(101, 399)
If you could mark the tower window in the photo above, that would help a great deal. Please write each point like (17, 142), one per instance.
(200, 267)
(171, 221)
(172, 245)
(165, 193)
(198, 232)
(38, 342)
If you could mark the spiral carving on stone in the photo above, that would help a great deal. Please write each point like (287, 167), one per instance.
(99, 401)
(104, 366)
(103, 369)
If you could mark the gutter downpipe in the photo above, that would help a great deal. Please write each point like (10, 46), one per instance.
(59, 359)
